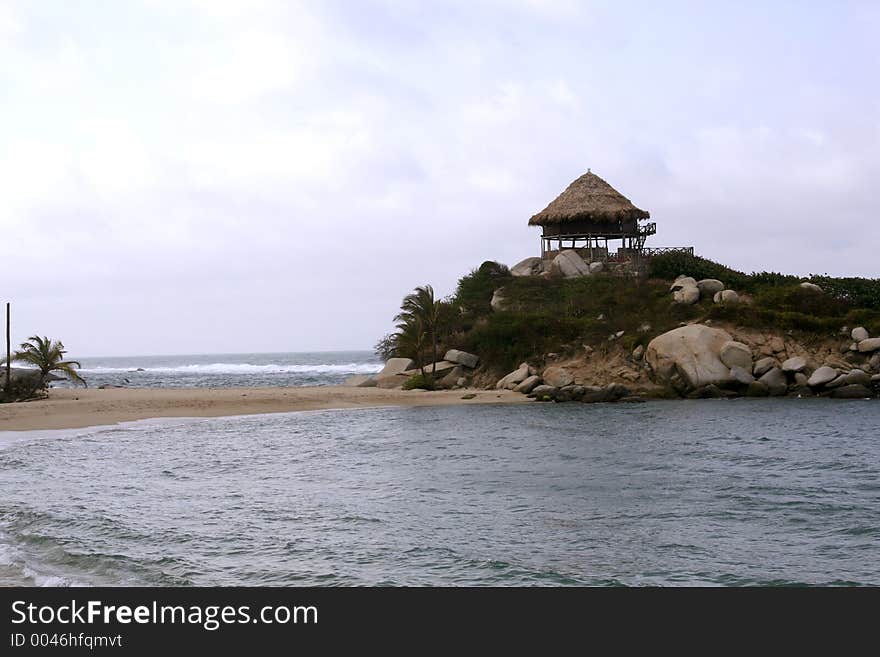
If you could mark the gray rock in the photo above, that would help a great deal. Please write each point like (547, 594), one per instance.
(736, 354)
(757, 389)
(854, 391)
(513, 379)
(539, 392)
(741, 375)
(462, 358)
(796, 364)
(439, 369)
(638, 353)
(710, 391)
(836, 383)
(875, 379)
(528, 267)
(597, 267)
(869, 345)
(682, 282)
(775, 381)
(709, 287)
(570, 264)
(763, 366)
(822, 376)
(800, 379)
(451, 379)
(392, 375)
(857, 377)
(498, 301)
(860, 333)
(528, 385)
(617, 390)
(688, 357)
(396, 366)
(557, 376)
(687, 295)
(726, 296)
(811, 286)
(574, 392)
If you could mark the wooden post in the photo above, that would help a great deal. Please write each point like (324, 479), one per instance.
(8, 349)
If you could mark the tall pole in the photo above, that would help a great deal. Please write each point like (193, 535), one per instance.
(8, 349)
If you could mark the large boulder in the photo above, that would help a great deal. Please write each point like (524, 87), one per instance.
(822, 376)
(687, 295)
(498, 301)
(736, 354)
(741, 375)
(558, 377)
(854, 391)
(439, 369)
(689, 357)
(682, 282)
(528, 267)
(869, 345)
(392, 375)
(860, 333)
(775, 381)
(513, 379)
(570, 264)
(542, 391)
(812, 287)
(528, 385)
(795, 364)
(757, 389)
(451, 379)
(857, 377)
(763, 366)
(726, 296)
(462, 358)
(395, 366)
(709, 287)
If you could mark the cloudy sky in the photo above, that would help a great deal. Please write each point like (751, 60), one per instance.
(203, 176)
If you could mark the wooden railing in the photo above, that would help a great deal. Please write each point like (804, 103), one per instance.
(651, 252)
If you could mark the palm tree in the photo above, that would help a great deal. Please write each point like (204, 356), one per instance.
(47, 356)
(421, 313)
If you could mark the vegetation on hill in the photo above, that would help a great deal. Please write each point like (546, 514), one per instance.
(550, 314)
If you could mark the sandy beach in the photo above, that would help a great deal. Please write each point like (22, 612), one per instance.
(70, 409)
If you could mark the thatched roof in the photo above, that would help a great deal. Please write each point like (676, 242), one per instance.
(589, 198)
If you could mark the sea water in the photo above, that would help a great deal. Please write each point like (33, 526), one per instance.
(229, 370)
(741, 492)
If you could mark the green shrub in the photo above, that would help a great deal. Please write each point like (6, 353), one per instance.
(860, 292)
(474, 292)
(419, 381)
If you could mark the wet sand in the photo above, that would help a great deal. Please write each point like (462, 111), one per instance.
(73, 409)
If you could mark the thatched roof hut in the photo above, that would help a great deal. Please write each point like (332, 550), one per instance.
(588, 214)
(590, 199)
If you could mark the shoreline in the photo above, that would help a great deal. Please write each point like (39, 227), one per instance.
(68, 408)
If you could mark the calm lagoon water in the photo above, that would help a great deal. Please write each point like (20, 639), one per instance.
(664, 493)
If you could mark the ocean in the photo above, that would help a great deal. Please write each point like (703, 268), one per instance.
(228, 370)
(712, 492)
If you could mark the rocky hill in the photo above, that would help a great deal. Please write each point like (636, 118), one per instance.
(682, 327)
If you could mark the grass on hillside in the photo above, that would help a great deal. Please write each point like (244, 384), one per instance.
(559, 315)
